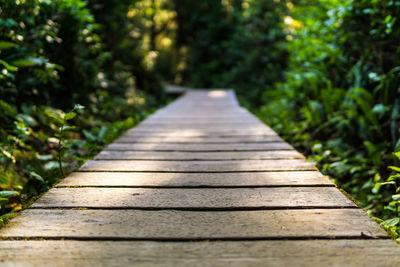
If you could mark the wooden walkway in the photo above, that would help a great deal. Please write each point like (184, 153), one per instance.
(200, 183)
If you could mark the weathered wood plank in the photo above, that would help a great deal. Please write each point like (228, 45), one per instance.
(170, 224)
(205, 199)
(193, 120)
(302, 178)
(205, 110)
(198, 133)
(198, 166)
(194, 127)
(207, 140)
(199, 147)
(184, 156)
(201, 118)
(335, 253)
(196, 123)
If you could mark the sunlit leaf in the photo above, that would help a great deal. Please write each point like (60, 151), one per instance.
(396, 197)
(8, 66)
(6, 45)
(391, 222)
(395, 168)
(70, 116)
(45, 157)
(29, 61)
(7, 193)
(78, 106)
(67, 128)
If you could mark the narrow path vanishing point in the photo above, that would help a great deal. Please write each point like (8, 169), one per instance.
(201, 182)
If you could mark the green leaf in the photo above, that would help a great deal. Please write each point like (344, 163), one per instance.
(36, 177)
(397, 169)
(58, 119)
(391, 182)
(29, 61)
(376, 188)
(392, 203)
(27, 119)
(6, 45)
(67, 128)
(69, 116)
(7, 193)
(391, 222)
(4, 179)
(45, 157)
(8, 66)
(51, 165)
(394, 177)
(8, 155)
(396, 197)
(78, 106)
(397, 154)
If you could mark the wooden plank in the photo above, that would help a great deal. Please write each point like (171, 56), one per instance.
(194, 127)
(207, 140)
(199, 147)
(193, 120)
(198, 133)
(335, 253)
(198, 125)
(198, 166)
(203, 199)
(302, 178)
(204, 118)
(189, 225)
(221, 109)
(184, 156)
(202, 114)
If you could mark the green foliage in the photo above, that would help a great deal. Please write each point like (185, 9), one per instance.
(393, 206)
(339, 102)
(229, 45)
(4, 195)
(54, 54)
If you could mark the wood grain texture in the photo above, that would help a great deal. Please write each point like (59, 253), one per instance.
(185, 156)
(309, 253)
(188, 225)
(206, 128)
(243, 179)
(193, 120)
(195, 140)
(187, 132)
(199, 147)
(204, 199)
(198, 166)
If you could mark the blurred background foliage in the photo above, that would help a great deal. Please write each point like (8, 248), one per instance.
(323, 73)
(340, 100)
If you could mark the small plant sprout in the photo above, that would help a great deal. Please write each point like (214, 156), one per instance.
(61, 134)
